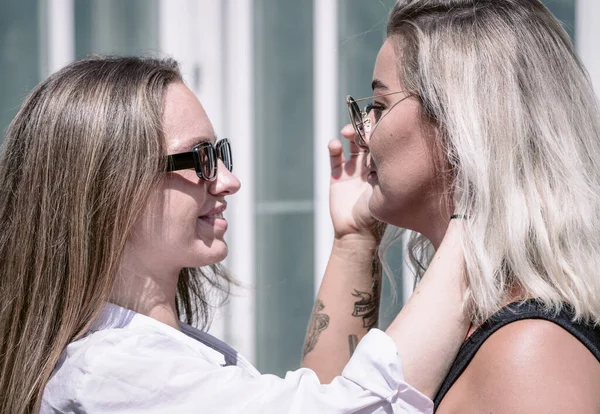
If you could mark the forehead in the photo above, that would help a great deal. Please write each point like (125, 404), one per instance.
(185, 122)
(386, 69)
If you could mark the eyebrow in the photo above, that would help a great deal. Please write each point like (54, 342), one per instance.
(377, 84)
(199, 140)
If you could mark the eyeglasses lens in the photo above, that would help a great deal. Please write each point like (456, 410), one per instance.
(356, 117)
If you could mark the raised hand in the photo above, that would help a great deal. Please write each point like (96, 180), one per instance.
(349, 191)
(351, 281)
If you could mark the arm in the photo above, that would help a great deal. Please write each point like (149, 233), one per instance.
(160, 373)
(428, 331)
(430, 328)
(347, 305)
(346, 308)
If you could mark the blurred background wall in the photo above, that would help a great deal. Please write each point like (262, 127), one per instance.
(272, 75)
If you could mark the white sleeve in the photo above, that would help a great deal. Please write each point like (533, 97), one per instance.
(149, 376)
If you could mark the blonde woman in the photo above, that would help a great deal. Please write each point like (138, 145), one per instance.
(112, 193)
(482, 107)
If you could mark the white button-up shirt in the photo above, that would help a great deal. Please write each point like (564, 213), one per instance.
(131, 363)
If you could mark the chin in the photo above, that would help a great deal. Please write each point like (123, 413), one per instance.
(381, 210)
(215, 253)
(385, 218)
(391, 213)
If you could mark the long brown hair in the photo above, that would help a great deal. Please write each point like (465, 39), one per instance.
(78, 164)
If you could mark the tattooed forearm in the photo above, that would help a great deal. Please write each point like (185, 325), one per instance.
(352, 342)
(367, 307)
(318, 323)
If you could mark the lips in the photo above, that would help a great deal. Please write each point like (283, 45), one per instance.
(371, 169)
(215, 213)
(372, 176)
(211, 216)
(213, 219)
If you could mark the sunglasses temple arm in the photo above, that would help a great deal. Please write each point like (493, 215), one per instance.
(181, 161)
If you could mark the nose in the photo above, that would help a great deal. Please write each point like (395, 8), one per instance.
(226, 182)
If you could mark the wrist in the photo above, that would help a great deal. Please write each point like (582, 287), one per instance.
(355, 250)
(372, 233)
(355, 241)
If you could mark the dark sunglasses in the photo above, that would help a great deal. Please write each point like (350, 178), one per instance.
(203, 158)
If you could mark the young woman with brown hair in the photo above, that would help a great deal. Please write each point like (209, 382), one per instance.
(112, 193)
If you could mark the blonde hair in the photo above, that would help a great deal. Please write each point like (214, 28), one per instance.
(519, 126)
(77, 167)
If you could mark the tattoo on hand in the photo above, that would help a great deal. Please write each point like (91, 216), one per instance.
(353, 342)
(367, 306)
(318, 323)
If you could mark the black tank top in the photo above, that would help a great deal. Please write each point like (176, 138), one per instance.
(529, 309)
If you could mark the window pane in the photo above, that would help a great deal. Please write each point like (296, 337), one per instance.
(284, 83)
(116, 27)
(283, 180)
(564, 10)
(284, 289)
(361, 34)
(19, 55)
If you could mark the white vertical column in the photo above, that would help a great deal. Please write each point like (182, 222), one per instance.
(239, 128)
(59, 33)
(176, 40)
(207, 81)
(208, 47)
(326, 56)
(587, 33)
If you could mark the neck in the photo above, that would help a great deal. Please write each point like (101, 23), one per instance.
(147, 291)
(436, 233)
(434, 226)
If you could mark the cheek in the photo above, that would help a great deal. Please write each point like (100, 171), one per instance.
(169, 230)
(179, 214)
(406, 176)
(401, 150)
(171, 213)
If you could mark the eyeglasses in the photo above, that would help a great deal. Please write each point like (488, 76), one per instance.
(203, 158)
(360, 119)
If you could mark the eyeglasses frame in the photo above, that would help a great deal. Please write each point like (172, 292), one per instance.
(353, 108)
(192, 159)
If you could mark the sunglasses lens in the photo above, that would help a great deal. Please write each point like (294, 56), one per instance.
(357, 121)
(224, 153)
(206, 165)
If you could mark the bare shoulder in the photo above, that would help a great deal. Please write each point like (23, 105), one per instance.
(531, 365)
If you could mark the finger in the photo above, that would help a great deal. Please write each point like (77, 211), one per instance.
(349, 133)
(336, 153)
